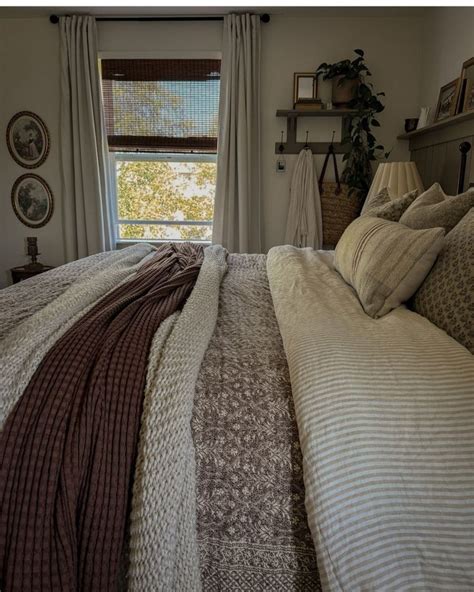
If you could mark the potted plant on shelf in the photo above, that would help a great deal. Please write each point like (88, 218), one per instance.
(345, 76)
(351, 90)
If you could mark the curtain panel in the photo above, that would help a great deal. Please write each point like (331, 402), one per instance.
(84, 164)
(237, 223)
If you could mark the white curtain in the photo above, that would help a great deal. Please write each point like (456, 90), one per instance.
(237, 205)
(305, 223)
(86, 214)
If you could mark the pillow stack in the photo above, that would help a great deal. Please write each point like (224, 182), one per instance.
(446, 297)
(434, 208)
(386, 261)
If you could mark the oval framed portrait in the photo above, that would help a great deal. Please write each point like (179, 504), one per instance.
(32, 200)
(28, 139)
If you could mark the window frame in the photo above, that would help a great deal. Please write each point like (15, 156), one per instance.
(152, 157)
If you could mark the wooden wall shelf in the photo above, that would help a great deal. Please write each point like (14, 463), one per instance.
(315, 113)
(439, 125)
(291, 146)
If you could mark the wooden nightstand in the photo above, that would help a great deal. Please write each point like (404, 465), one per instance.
(26, 271)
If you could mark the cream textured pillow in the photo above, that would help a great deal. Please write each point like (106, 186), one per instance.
(446, 297)
(385, 262)
(434, 208)
(379, 199)
(383, 205)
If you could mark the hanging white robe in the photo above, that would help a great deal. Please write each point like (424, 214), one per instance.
(305, 224)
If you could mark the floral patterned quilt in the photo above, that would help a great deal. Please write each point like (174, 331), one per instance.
(252, 526)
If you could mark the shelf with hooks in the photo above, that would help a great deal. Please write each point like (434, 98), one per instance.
(291, 146)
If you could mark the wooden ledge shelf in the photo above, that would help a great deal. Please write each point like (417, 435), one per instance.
(439, 125)
(315, 113)
(291, 146)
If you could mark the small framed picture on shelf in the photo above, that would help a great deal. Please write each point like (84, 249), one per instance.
(447, 101)
(305, 87)
(469, 96)
(467, 75)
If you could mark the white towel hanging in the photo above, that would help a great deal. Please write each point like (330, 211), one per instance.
(305, 226)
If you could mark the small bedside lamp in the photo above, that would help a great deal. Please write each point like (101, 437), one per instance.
(32, 248)
(400, 177)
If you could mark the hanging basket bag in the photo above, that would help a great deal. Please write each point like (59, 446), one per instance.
(338, 208)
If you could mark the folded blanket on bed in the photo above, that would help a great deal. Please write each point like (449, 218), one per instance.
(163, 540)
(67, 448)
(385, 412)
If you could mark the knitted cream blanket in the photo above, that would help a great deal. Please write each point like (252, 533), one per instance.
(163, 540)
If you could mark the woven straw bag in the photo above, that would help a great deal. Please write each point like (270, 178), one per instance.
(338, 208)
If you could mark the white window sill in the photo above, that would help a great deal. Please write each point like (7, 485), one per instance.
(128, 242)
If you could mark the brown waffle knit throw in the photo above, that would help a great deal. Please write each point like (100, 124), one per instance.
(67, 449)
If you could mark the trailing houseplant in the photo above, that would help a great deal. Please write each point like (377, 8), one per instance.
(367, 104)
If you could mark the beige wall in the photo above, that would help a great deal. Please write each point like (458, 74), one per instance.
(29, 67)
(299, 44)
(395, 48)
(448, 41)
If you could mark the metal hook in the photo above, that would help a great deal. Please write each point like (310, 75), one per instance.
(281, 147)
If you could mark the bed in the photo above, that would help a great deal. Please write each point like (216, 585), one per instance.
(280, 445)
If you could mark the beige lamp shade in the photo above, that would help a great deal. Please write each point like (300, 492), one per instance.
(400, 177)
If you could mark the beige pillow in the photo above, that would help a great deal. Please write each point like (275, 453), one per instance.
(380, 198)
(446, 297)
(434, 208)
(385, 262)
(383, 205)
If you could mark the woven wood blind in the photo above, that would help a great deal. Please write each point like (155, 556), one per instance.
(161, 105)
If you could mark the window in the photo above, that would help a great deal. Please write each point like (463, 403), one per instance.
(161, 119)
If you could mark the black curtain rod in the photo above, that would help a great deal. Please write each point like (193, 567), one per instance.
(265, 18)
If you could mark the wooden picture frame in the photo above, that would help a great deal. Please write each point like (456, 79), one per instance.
(32, 200)
(467, 76)
(305, 87)
(28, 139)
(468, 102)
(447, 100)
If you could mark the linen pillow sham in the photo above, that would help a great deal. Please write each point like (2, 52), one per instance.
(434, 208)
(385, 262)
(446, 297)
(383, 205)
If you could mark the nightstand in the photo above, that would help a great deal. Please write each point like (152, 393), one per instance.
(26, 271)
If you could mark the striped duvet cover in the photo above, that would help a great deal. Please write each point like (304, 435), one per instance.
(385, 412)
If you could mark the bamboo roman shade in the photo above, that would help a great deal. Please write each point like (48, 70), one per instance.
(161, 105)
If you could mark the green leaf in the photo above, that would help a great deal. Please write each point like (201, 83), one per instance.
(375, 123)
(359, 52)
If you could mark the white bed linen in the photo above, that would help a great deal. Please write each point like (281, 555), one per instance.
(385, 412)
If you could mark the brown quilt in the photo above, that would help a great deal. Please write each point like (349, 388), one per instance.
(252, 526)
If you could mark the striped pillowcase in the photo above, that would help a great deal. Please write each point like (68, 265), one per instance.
(385, 262)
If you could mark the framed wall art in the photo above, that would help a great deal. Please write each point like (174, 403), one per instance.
(467, 81)
(28, 139)
(32, 200)
(468, 104)
(447, 101)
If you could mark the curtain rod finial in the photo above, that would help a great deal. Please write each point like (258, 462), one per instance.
(265, 18)
(54, 19)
